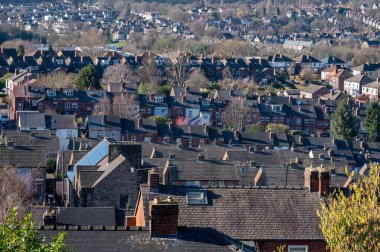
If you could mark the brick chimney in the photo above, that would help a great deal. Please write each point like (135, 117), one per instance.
(206, 128)
(317, 180)
(201, 156)
(300, 139)
(311, 179)
(163, 217)
(271, 135)
(324, 182)
(153, 180)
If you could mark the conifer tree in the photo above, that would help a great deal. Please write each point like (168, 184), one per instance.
(343, 122)
(372, 122)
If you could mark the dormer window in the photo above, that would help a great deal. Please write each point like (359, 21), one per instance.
(69, 92)
(51, 93)
(159, 99)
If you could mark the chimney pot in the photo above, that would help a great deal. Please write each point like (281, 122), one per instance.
(153, 180)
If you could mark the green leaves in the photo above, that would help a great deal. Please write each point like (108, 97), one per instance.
(344, 123)
(22, 235)
(88, 77)
(372, 122)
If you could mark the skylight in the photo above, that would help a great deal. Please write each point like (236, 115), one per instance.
(196, 197)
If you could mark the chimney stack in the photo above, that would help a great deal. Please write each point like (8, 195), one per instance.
(206, 128)
(362, 145)
(171, 156)
(163, 217)
(317, 180)
(300, 140)
(271, 135)
(183, 98)
(153, 180)
(201, 156)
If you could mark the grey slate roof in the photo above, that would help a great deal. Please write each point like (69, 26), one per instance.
(255, 214)
(140, 241)
(23, 156)
(90, 216)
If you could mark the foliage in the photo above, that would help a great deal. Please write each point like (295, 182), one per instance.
(80, 120)
(23, 236)
(88, 77)
(352, 223)
(3, 80)
(343, 122)
(165, 89)
(372, 122)
(143, 89)
(51, 164)
(20, 50)
(161, 119)
(257, 127)
(277, 128)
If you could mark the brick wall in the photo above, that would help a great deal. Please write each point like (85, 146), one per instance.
(164, 219)
(121, 182)
(311, 179)
(313, 246)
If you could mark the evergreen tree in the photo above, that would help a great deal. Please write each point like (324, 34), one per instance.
(264, 11)
(88, 77)
(278, 12)
(202, 4)
(372, 122)
(344, 123)
(128, 10)
(21, 50)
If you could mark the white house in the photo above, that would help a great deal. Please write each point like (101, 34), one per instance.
(30, 121)
(353, 86)
(63, 126)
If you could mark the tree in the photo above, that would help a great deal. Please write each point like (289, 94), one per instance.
(197, 79)
(148, 75)
(22, 235)
(104, 106)
(352, 223)
(88, 77)
(128, 10)
(92, 39)
(124, 105)
(278, 12)
(235, 112)
(343, 122)
(118, 73)
(372, 122)
(177, 69)
(21, 50)
(13, 193)
(57, 79)
(277, 128)
(257, 127)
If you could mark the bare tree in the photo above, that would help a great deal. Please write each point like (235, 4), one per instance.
(197, 79)
(177, 69)
(92, 39)
(124, 105)
(235, 113)
(148, 75)
(104, 107)
(119, 73)
(13, 193)
(58, 79)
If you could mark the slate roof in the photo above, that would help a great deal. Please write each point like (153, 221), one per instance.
(23, 156)
(140, 241)
(60, 122)
(332, 60)
(90, 216)
(313, 88)
(202, 170)
(362, 79)
(254, 214)
(31, 119)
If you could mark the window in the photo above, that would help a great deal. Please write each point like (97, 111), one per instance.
(74, 105)
(196, 197)
(41, 105)
(221, 183)
(298, 121)
(159, 99)
(180, 113)
(306, 120)
(69, 92)
(190, 113)
(297, 248)
(67, 105)
(193, 183)
(51, 93)
(243, 170)
(312, 120)
(55, 105)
